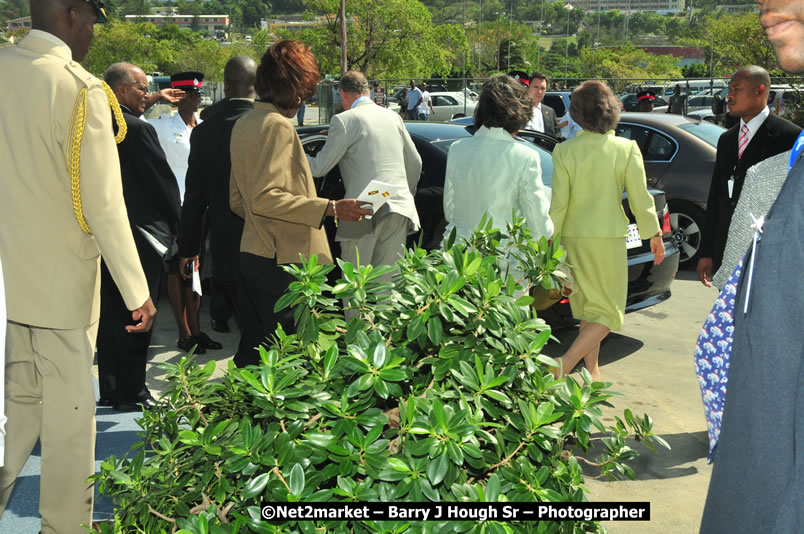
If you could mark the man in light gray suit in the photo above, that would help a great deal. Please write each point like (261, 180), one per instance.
(757, 482)
(371, 142)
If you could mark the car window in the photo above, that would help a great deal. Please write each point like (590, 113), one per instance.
(660, 148)
(654, 146)
(704, 130)
(555, 102)
(635, 133)
(443, 100)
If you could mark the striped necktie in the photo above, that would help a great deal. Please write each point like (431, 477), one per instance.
(743, 141)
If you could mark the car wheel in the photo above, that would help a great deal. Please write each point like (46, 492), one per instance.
(686, 223)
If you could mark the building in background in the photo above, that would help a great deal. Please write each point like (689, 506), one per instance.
(23, 23)
(209, 24)
(632, 6)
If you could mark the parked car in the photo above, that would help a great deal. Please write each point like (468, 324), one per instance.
(679, 154)
(450, 105)
(694, 103)
(648, 284)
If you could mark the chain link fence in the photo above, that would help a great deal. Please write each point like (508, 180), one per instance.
(786, 93)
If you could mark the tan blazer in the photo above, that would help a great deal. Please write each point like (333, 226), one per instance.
(272, 189)
(370, 142)
(51, 267)
(590, 174)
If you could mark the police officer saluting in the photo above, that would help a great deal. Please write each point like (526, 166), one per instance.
(174, 136)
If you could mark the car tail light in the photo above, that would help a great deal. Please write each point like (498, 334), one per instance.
(666, 222)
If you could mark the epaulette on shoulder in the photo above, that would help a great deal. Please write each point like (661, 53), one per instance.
(84, 76)
(77, 124)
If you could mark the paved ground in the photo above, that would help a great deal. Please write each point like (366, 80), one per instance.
(650, 362)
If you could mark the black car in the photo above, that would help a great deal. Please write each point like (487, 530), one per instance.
(648, 284)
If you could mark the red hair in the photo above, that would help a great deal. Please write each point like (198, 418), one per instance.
(288, 74)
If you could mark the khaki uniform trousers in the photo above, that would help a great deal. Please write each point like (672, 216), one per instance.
(49, 396)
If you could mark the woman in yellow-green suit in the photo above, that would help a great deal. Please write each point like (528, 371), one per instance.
(590, 173)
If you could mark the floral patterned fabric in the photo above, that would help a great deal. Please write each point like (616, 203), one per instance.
(712, 353)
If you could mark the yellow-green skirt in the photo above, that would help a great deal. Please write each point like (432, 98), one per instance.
(600, 266)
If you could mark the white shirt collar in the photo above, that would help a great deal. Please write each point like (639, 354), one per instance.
(756, 122)
(359, 100)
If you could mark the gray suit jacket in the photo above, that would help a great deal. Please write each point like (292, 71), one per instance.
(370, 142)
(763, 417)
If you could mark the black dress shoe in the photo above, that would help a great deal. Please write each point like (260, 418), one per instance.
(206, 342)
(220, 326)
(105, 402)
(127, 407)
(148, 402)
(188, 342)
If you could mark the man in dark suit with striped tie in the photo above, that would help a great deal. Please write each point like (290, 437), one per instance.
(758, 136)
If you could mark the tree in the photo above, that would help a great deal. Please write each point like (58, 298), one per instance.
(695, 70)
(166, 48)
(735, 41)
(386, 38)
(13, 9)
(254, 11)
(627, 62)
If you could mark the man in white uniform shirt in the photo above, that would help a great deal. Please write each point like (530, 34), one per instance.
(174, 130)
(370, 142)
(174, 137)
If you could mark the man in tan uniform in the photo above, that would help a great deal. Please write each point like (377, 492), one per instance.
(61, 208)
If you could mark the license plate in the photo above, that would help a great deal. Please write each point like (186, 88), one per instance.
(632, 240)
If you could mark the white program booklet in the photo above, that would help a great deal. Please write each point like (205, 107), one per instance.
(377, 193)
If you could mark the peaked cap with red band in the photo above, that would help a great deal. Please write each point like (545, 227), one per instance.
(521, 76)
(187, 81)
(645, 95)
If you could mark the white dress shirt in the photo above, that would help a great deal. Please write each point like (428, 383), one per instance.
(174, 136)
(754, 124)
(536, 122)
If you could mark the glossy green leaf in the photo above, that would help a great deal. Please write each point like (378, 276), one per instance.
(296, 480)
(256, 485)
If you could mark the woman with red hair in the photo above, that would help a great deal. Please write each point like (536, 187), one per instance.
(272, 189)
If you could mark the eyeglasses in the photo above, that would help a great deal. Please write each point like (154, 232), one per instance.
(141, 88)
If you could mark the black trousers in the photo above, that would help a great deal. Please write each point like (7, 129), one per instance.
(260, 286)
(122, 356)
(223, 300)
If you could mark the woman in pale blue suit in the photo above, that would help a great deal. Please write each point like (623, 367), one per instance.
(590, 173)
(493, 173)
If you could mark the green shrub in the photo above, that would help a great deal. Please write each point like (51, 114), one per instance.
(435, 391)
